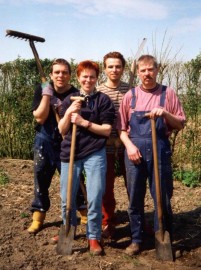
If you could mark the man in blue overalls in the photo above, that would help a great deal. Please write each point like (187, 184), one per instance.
(47, 99)
(135, 132)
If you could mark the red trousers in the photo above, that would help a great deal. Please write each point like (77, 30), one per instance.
(109, 203)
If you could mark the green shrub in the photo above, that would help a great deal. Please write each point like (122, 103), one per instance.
(188, 177)
(3, 178)
(17, 83)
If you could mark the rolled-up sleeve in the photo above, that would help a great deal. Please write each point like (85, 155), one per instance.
(107, 112)
(174, 106)
(124, 112)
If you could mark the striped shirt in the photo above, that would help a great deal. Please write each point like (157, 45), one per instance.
(116, 95)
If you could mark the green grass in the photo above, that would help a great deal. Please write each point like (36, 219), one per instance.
(3, 178)
(24, 215)
(189, 178)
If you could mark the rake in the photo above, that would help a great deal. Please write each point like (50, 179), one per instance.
(31, 39)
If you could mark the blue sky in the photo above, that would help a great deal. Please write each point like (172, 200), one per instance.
(88, 29)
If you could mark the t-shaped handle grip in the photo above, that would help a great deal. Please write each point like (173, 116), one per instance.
(77, 98)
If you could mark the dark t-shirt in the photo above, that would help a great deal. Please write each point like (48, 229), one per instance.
(50, 128)
(98, 109)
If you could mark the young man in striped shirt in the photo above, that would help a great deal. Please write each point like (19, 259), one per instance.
(115, 88)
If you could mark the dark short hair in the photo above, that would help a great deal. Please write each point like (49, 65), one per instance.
(117, 55)
(87, 64)
(147, 58)
(60, 61)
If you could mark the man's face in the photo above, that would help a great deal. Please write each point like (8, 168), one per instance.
(114, 69)
(147, 73)
(60, 76)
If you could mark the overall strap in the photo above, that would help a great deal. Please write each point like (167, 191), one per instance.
(163, 95)
(133, 101)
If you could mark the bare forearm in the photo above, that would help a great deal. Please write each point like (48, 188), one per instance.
(104, 129)
(132, 150)
(42, 112)
(64, 124)
(172, 120)
(125, 139)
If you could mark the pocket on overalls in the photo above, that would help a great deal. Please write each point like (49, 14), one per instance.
(144, 124)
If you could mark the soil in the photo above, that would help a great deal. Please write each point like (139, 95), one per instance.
(20, 250)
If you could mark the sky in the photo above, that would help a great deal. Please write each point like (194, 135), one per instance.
(88, 29)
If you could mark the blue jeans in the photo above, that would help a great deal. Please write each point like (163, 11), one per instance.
(95, 169)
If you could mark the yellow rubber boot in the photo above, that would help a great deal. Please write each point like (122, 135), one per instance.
(37, 223)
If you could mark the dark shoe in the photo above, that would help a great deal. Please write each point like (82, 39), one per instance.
(95, 247)
(133, 249)
(108, 231)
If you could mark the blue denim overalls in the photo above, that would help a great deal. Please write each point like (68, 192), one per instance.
(46, 161)
(140, 135)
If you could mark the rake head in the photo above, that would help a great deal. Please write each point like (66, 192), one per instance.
(16, 34)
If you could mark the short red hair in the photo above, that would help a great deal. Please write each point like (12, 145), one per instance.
(87, 64)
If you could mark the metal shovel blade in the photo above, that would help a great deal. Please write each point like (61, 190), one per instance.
(65, 242)
(163, 246)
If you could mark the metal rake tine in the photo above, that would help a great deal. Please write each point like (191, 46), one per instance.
(25, 36)
(31, 40)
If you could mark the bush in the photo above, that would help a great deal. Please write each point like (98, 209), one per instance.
(189, 178)
(3, 178)
(17, 81)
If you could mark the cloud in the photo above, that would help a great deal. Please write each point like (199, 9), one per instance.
(145, 9)
(126, 8)
(188, 25)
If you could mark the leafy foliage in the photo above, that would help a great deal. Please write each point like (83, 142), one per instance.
(16, 120)
(189, 165)
(188, 177)
(3, 178)
(17, 82)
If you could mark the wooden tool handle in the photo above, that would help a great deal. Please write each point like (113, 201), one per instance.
(70, 169)
(70, 180)
(156, 174)
(77, 98)
(36, 56)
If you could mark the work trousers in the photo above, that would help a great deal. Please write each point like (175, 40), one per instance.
(109, 203)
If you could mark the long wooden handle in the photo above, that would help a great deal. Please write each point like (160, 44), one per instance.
(156, 174)
(70, 169)
(42, 73)
(35, 53)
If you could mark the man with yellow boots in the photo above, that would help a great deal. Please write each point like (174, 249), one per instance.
(47, 99)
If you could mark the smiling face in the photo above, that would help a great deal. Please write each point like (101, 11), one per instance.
(147, 72)
(60, 76)
(87, 79)
(113, 69)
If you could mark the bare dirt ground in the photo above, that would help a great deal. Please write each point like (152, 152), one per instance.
(20, 250)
